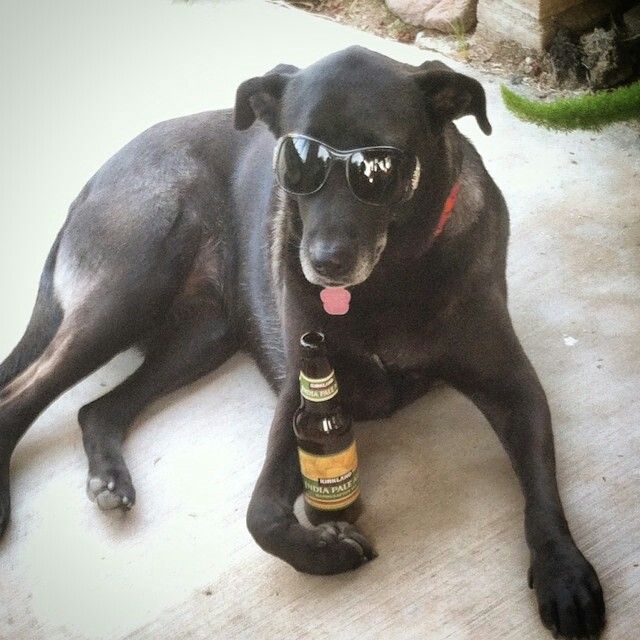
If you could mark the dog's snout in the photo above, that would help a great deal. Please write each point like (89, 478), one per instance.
(332, 259)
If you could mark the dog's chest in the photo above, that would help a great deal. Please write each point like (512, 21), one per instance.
(399, 340)
(403, 348)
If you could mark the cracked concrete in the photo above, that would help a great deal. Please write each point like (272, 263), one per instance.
(443, 506)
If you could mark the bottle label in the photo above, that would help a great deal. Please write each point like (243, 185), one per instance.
(318, 389)
(331, 482)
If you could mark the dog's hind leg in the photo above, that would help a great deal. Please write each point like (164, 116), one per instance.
(194, 340)
(45, 320)
(110, 297)
(84, 341)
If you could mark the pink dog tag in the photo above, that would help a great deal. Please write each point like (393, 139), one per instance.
(335, 300)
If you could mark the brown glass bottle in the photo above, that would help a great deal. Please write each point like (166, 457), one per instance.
(326, 447)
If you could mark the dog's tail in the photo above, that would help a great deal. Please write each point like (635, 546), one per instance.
(45, 320)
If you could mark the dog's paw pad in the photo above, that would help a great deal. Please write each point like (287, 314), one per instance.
(111, 493)
(345, 533)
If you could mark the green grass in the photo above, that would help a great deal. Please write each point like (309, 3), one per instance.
(462, 41)
(590, 112)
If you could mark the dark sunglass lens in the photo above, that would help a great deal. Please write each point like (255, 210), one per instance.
(379, 176)
(301, 165)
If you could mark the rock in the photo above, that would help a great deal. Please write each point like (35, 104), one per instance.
(632, 21)
(607, 65)
(526, 68)
(445, 46)
(565, 59)
(448, 16)
(529, 67)
(536, 69)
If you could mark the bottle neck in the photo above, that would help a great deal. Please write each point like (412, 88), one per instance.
(318, 385)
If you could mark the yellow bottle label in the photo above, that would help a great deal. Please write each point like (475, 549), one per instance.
(331, 482)
(318, 389)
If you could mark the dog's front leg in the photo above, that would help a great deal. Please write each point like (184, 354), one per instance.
(492, 369)
(325, 549)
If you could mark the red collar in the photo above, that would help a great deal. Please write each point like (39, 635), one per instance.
(447, 210)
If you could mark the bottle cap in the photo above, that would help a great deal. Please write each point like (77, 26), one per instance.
(312, 340)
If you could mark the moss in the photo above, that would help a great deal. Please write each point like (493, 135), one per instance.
(591, 112)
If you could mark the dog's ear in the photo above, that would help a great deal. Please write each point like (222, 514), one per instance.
(435, 65)
(451, 95)
(260, 97)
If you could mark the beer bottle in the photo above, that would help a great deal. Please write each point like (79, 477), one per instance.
(326, 447)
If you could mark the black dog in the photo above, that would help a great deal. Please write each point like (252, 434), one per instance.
(184, 244)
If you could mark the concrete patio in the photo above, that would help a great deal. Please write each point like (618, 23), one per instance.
(79, 79)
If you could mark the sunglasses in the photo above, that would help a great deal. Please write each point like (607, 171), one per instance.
(376, 175)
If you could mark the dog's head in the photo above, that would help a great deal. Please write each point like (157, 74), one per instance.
(349, 100)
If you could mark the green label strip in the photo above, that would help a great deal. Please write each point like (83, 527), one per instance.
(318, 389)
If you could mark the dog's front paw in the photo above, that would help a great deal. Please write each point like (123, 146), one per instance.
(334, 547)
(569, 594)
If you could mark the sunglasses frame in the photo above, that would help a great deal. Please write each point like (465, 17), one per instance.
(343, 156)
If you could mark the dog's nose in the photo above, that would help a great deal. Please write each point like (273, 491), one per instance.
(331, 259)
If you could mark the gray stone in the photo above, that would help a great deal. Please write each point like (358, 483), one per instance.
(632, 21)
(448, 16)
(438, 43)
(565, 58)
(607, 65)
